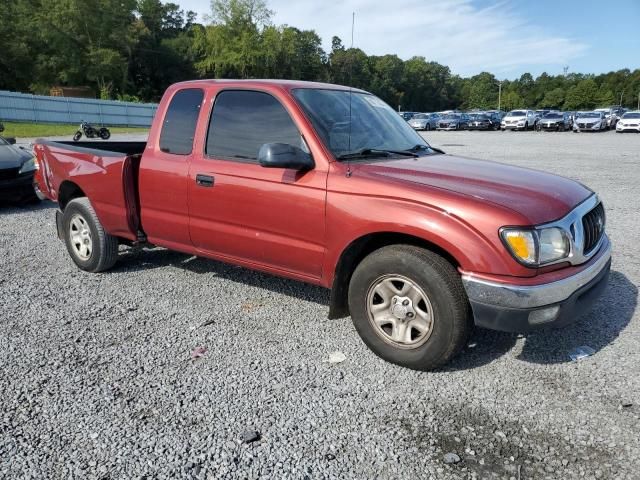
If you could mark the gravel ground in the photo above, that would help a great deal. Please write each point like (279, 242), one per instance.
(98, 378)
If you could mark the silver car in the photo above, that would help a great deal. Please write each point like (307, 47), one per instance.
(589, 122)
(424, 121)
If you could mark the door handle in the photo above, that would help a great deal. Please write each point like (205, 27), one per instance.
(204, 180)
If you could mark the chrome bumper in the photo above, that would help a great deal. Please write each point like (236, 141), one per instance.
(522, 297)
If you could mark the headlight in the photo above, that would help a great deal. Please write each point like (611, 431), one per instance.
(29, 166)
(597, 124)
(537, 247)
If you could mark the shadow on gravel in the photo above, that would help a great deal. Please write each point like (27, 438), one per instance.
(597, 329)
(147, 259)
(13, 209)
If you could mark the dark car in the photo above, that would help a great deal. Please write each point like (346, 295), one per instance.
(17, 168)
(483, 121)
(453, 121)
(555, 121)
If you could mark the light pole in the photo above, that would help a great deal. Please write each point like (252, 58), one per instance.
(499, 94)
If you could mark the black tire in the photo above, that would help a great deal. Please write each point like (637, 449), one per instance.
(104, 247)
(104, 133)
(77, 136)
(427, 127)
(439, 280)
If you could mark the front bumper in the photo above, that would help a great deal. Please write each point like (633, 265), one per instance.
(518, 308)
(620, 128)
(15, 188)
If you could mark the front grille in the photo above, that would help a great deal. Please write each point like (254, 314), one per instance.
(9, 173)
(593, 226)
(444, 125)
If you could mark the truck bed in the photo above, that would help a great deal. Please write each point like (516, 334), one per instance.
(106, 172)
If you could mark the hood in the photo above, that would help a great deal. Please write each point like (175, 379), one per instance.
(12, 156)
(514, 117)
(418, 121)
(541, 197)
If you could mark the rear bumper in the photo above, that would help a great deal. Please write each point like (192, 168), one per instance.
(517, 308)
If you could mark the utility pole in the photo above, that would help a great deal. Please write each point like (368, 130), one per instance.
(499, 94)
(638, 100)
(621, 94)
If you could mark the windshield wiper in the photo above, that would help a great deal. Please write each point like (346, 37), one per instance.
(422, 146)
(369, 152)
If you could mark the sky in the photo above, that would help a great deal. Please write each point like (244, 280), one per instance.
(507, 38)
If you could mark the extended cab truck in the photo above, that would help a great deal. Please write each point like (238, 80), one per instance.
(328, 185)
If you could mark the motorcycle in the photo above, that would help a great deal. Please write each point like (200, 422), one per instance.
(91, 132)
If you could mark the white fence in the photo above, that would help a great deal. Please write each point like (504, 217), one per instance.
(20, 107)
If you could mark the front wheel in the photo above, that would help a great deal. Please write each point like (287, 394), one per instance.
(91, 248)
(77, 136)
(409, 306)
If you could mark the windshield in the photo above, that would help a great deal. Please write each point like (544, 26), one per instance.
(449, 116)
(589, 115)
(631, 115)
(553, 115)
(374, 125)
(421, 116)
(478, 117)
(517, 113)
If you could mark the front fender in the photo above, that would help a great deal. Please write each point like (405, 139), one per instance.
(474, 245)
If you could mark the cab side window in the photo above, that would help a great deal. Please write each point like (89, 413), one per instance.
(179, 126)
(244, 120)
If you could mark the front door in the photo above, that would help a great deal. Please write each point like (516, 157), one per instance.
(265, 217)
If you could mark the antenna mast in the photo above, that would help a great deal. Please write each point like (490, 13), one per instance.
(353, 21)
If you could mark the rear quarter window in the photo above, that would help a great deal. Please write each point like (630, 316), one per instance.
(179, 125)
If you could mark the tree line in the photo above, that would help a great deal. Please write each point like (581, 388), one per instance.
(134, 49)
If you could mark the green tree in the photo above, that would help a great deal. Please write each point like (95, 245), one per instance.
(512, 100)
(583, 95)
(553, 98)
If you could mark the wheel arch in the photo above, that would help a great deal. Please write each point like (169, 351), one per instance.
(67, 191)
(357, 250)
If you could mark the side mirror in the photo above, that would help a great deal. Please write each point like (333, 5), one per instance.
(283, 155)
(11, 140)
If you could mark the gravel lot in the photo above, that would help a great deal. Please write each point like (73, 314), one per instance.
(97, 378)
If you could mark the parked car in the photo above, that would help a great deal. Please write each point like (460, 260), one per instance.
(589, 121)
(407, 115)
(518, 120)
(556, 121)
(483, 121)
(415, 245)
(630, 122)
(424, 121)
(612, 115)
(539, 114)
(17, 168)
(453, 121)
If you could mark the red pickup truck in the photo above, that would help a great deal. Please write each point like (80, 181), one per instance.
(328, 185)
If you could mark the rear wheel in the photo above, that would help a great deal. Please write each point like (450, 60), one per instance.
(91, 248)
(409, 306)
(104, 133)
